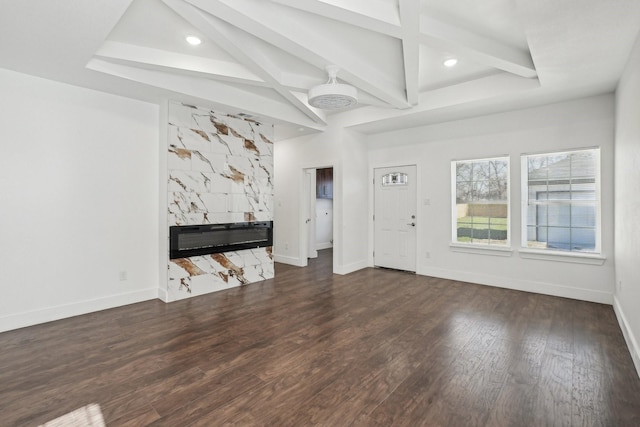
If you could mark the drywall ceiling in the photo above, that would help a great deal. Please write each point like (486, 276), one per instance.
(260, 57)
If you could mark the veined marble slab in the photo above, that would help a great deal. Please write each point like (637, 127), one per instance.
(209, 273)
(220, 171)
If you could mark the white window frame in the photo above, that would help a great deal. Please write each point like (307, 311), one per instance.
(589, 257)
(474, 247)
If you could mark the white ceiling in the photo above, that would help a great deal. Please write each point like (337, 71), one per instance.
(260, 57)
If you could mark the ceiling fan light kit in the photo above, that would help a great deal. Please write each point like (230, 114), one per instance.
(332, 95)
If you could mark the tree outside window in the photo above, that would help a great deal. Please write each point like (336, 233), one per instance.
(481, 210)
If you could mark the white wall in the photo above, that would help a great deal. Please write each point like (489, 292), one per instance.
(627, 203)
(345, 152)
(324, 223)
(582, 123)
(354, 183)
(78, 200)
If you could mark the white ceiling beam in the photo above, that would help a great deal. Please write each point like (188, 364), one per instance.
(379, 16)
(243, 47)
(298, 82)
(410, 24)
(228, 97)
(468, 93)
(484, 50)
(192, 65)
(301, 40)
(382, 10)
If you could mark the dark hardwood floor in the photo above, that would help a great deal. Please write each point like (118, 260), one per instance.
(372, 348)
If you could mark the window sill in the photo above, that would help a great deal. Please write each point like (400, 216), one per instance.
(482, 250)
(578, 258)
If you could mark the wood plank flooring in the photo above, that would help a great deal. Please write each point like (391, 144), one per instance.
(372, 348)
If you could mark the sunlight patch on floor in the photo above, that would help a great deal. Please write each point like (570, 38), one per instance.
(87, 416)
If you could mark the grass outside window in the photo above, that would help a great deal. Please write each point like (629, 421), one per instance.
(482, 229)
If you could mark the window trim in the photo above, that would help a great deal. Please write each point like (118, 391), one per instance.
(480, 249)
(561, 256)
(555, 254)
(472, 247)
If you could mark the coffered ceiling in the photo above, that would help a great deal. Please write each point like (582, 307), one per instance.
(260, 57)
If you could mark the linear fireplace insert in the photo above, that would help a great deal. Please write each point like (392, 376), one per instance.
(192, 240)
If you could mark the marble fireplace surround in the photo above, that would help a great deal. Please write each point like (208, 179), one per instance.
(220, 170)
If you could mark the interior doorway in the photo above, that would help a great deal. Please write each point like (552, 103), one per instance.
(324, 209)
(318, 212)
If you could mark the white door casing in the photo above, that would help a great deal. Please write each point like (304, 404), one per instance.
(395, 217)
(310, 220)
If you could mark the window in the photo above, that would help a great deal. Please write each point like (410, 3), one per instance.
(481, 208)
(561, 201)
(396, 178)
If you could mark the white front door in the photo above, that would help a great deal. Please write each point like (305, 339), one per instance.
(395, 218)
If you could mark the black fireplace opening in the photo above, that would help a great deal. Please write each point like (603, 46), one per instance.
(191, 240)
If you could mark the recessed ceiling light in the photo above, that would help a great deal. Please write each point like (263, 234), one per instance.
(193, 40)
(450, 62)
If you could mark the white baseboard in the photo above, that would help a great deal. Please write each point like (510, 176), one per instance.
(326, 245)
(289, 260)
(634, 348)
(521, 285)
(337, 269)
(163, 294)
(350, 268)
(30, 318)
